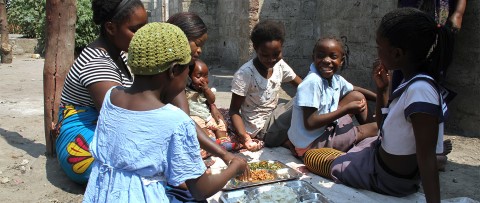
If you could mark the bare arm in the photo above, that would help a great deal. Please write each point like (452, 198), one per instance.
(209, 95)
(215, 182)
(313, 121)
(425, 128)
(296, 81)
(205, 142)
(234, 113)
(457, 17)
(98, 90)
(382, 81)
(369, 95)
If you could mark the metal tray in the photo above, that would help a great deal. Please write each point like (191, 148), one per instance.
(305, 193)
(283, 173)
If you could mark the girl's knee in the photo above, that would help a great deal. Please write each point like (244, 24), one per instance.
(354, 96)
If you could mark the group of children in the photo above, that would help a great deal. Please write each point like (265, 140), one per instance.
(387, 156)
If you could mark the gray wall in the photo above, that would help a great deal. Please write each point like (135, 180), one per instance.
(464, 75)
(230, 22)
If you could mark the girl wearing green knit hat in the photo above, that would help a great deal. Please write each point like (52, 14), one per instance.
(142, 143)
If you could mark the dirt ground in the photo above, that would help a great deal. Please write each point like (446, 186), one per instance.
(27, 175)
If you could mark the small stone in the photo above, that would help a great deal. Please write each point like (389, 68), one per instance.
(455, 180)
(23, 169)
(5, 180)
(24, 162)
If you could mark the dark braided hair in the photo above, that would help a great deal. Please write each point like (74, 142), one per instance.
(104, 11)
(190, 23)
(427, 44)
(266, 31)
(343, 44)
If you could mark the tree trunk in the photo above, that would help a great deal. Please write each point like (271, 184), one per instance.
(59, 49)
(5, 47)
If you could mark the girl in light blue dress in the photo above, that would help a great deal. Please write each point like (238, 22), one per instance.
(142, 143)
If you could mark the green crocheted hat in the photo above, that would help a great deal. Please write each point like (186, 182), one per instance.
(155, 46)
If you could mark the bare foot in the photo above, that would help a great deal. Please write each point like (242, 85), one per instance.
(447, 147)
(287, 144)
(441, 162)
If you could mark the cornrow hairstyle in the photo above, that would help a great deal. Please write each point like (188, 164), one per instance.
(191, 24)
(266, 31)
(427, 44)
(117, 11)
(345, 49)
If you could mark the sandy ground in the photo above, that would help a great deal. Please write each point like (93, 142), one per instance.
(27, 175)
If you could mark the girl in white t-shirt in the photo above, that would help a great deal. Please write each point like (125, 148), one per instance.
(411, 122)
(254, 111)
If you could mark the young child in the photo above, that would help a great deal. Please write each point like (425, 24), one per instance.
(142, 143)
(201, 101)
(255, 86)
(412, 131)
(325, 102)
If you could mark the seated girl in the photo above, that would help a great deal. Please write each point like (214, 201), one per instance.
(411, 121)
(325, 102)
(254, 108)
(201, 101)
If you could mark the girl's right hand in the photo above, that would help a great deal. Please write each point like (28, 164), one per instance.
(356, 107)
(240, 165)
(380, 75)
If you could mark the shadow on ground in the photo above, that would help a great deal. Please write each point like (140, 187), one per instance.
(59, 179)
(54, 173)
(17, 140)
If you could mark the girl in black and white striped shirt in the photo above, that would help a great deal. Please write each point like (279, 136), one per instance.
(99, 67)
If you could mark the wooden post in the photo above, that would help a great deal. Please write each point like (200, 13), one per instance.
(5, 47)
(59, 55)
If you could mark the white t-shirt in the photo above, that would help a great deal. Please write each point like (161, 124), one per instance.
(261, 94)
(398, 136)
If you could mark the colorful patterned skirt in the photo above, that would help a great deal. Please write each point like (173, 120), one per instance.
(76, 127)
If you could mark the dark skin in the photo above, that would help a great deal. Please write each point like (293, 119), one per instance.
(425, 126)
(153, 92)
(181, 102)
(457, 16)
(268, 54)
(328, 58)
(116, 39)
(199, 78)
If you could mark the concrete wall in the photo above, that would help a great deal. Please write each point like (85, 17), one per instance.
(464, 75)
(230, 22)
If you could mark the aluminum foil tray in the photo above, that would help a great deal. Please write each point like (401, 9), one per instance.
(305, 192)
(279, 170)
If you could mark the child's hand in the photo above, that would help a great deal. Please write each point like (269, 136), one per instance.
(203, 85)
(380, 75)
(240, 164)
(356, 107)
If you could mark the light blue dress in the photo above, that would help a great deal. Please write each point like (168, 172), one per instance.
(138, 152)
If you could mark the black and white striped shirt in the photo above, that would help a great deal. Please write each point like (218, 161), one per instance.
(93, 65)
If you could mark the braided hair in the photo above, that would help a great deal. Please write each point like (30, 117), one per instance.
(342, 41)
(108, 11)
(427, 44)
(266, 31)
(190, 23)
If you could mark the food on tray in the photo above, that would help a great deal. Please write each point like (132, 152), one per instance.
(257, 176)
(269, 165)
(276, 194)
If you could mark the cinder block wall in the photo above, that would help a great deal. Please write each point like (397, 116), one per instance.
(230, 22)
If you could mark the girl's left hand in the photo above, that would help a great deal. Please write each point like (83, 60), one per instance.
(380, 75)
